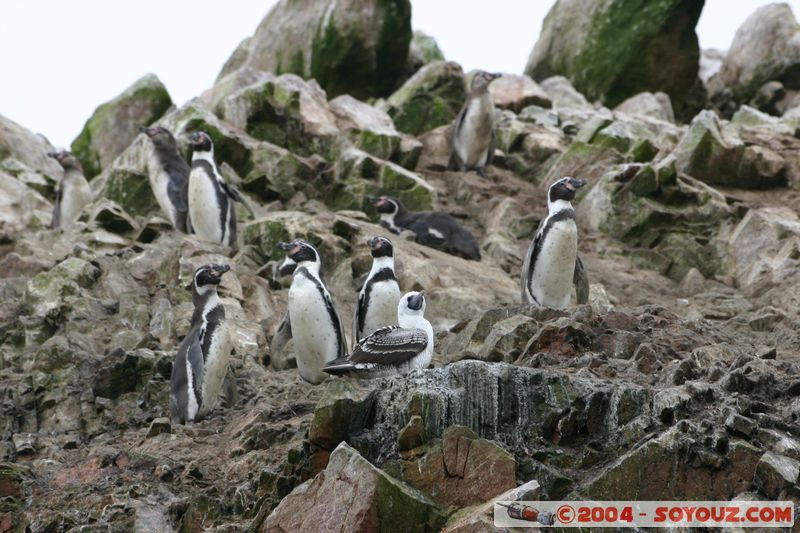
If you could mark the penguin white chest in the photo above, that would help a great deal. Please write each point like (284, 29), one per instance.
(75, 196)
(382, 307)
(205, 206)
(313, 332)
(551, 282)
(216, 366)
(475, 134)
(159, 180)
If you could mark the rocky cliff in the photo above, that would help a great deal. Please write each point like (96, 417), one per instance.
(680, 379)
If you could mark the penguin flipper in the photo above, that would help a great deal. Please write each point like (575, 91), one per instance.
(235, 195)
(455, 162)
(56, 223)
(490, 153)
(581, 281)
(530, 261)
(194, 355)
(279, 341)
(358, 317)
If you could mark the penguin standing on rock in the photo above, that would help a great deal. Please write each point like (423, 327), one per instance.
(472, 144)
(315, 326)
(202, 361)
(392, 350)
(552, 264)
(211, 208)
(437, 230)
(378, 298)
(169, 177)
(73, 194)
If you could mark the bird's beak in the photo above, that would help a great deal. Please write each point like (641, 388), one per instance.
(219, 270)
(285, 246)
(145, 130)
(575, 183)
(372, 242)
(52, 154)
(372, 199)
(415, 302)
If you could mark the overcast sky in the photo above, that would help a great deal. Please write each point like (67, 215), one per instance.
(61, 59)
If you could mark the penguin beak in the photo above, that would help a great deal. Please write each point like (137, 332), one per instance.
(285, 246)
(573, 184)
(372, 199)
(415, 301)
(219, 270)
(147, 131)
(373, 242)
(52, 154)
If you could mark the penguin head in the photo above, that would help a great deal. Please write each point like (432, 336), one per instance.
(412, 303)
(67, 160)
(564, 189)
(208, 276)
(385, 205)
(161, 137)
(380, 247)
(201, 142)
(483, 79)
(299, 251)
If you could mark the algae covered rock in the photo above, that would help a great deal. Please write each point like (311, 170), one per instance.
(432, 97)
(356, 47)
(422, 50)
(353, 495)
(28, 150)
(614, 49)
(115, 124)
(46, 292)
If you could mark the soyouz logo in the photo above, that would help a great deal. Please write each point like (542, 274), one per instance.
(644, 514)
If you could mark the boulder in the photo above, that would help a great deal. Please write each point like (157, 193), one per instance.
(563, 94)
(778, 476)
(710, 62)
(21, 207)
(712, 151)
(480, 518)
(514, 92)
(614, 49)
(22, 149)
(749, 117)
(356, 47)
(422, 50)
(115, 124)
(765, 48)
(351, 494)
(432, 97)
(656, 106)
(46, 292)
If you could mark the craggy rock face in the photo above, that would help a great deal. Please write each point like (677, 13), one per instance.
(679, 379)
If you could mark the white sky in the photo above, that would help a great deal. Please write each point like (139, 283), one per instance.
(59, 60)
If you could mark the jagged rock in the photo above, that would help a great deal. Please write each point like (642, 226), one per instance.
(530, 149)
(741, 425)
(514, 92)
(753, 118)
(285, 111)
(115, 124)
(763, 246)
(356, 47)
(422, 50)
(432, 97)
(21, 207)
(656, 106)
(412, 435)
(46, 293)
(462, 470)
(710, 63)
(27, 149)
(777, 476)
(353, 494)
(110, 216)
(563, 94)
(638, 138)
(341, 406)
(764, 48)
(614, 49)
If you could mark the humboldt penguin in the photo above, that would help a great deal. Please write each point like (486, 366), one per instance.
(378, 298)
(434, 229)
(169, 177)
(211, 208)
(392, 350)
(316, 329)
(472, 143)
(552, 265)
(202, 361)
(73, 194)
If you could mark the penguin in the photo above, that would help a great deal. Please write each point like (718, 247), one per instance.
(378, 298)
(472, 142)
(392, 350)
(434, 229)
(201, 363)
(552, 264)
(169, 177)
(73, 194)
(211, 209)
(316, 328)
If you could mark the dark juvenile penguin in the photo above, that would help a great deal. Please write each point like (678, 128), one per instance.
(316, 329)
(378, 298)
(434, 229)
(169, 177)
(472, 143)
(73, 194)
(552, 264)
(202, 361)
(392, 350)
(211, 208)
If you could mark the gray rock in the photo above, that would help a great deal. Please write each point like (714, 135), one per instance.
(609, 57)
(563, 94)
(777, 476)
(656, 106)
(115, 124)
(422, 50)
(356, 47)
(27, 149)
(514, 92)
